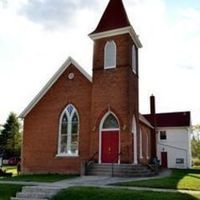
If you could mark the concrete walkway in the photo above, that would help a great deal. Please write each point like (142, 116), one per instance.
(88, 180)
(103, 182)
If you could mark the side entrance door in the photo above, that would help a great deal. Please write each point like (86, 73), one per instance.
(110, 146)
(164, 159)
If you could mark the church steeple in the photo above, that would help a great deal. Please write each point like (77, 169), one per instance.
(114, 17)
(115, 22)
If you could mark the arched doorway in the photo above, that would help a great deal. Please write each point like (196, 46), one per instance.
(109, 147)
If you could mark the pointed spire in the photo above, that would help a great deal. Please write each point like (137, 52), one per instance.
(114, 17)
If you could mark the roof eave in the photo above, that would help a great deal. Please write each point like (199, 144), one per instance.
(145, 121)
(49, 84)
(118, 31)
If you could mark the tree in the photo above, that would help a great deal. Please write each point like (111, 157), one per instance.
(195, 142)
(11, 136)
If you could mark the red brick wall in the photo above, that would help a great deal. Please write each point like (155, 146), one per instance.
(41, 126)
(115, 89)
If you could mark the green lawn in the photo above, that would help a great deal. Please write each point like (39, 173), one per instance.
(35, 177)
(49, 178)
(7, 191)
(180, 179)
(89, 193)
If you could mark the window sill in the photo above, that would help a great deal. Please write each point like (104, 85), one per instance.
(109, 67)
(67, 156)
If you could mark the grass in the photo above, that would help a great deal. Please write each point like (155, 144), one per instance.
(7, 191)
(49, 178)
(180, 179)
(35, 177)
(90, 193)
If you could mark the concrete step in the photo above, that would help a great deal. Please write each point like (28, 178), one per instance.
(120, 170)
(40, 189)
(36, 193)
(122, 174)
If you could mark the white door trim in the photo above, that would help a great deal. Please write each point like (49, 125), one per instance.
(101, 129)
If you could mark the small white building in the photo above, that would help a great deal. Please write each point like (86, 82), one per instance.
(173, 139)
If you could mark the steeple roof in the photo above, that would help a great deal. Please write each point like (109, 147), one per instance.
(114, 17)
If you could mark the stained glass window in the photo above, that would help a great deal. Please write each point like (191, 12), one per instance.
(110, 122)
(69, 132)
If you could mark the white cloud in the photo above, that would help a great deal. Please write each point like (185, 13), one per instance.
(53, 14)
(30, 53)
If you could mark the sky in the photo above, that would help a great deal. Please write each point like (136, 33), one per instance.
(37, 36)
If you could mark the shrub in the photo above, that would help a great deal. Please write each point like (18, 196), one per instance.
(196, 162)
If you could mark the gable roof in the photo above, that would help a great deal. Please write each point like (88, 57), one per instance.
(114, 17)
(175, 119)
(54, 78)
(145, 121)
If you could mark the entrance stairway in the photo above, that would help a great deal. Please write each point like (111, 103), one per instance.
(120, 170)
(36, 193)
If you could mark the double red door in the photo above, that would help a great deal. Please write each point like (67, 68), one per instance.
(110, 146)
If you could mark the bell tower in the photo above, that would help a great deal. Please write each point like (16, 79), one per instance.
(115, 79)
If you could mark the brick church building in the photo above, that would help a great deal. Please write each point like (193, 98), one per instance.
(76, 117)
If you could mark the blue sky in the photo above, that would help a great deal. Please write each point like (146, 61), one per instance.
(37, 36)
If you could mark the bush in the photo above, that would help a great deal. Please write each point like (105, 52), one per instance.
(195, 162)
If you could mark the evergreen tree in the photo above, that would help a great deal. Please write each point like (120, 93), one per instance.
(11, 136)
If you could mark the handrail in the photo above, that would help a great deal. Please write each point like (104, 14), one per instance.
(91, 159)
(113, 161)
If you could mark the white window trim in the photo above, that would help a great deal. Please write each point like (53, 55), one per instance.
(147, 146)
(105, 52)
(134, 61)
(134, 132)
(101, 129)
(59, 154)
(141, 143)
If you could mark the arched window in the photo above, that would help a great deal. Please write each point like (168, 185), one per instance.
(134, 58)
(69, 132)
(110, 122)
(110, 53)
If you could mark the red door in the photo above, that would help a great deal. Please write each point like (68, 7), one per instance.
(110, 146)
(164, 159)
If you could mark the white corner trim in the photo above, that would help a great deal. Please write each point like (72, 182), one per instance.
(134, 132)
(49, 84)
(119, 31)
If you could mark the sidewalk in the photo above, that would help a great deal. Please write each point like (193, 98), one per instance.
(88, 180)
(103, 182)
